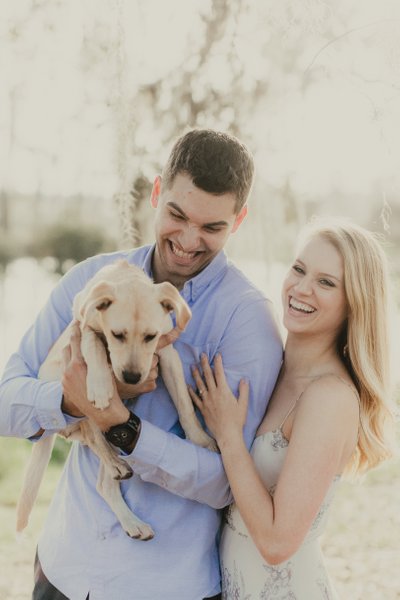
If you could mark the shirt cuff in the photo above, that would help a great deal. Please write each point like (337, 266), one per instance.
(150, 446)
(48, 407)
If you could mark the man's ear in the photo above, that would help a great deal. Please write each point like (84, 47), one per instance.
(239, 218)
(155, 192)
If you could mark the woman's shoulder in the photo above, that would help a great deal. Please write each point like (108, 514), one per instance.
(332, 392)
(334, 381)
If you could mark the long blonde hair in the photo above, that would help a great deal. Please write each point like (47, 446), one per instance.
(363, 344)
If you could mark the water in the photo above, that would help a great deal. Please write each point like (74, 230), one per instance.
(24, 289)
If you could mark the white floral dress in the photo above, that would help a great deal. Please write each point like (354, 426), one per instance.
(245, 575)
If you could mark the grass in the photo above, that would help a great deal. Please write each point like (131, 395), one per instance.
(16, 557)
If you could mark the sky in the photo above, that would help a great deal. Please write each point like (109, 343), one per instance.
(67, 67)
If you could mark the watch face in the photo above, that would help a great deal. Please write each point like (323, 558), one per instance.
(125, 435)
(121, 435)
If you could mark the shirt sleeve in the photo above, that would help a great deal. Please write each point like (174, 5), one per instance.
(250, 348)
(28, 404)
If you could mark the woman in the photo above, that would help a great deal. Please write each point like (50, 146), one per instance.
(328, 415)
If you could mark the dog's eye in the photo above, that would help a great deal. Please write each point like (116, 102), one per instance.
(148, 338)
(118, 336)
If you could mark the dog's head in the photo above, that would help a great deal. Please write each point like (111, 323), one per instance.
(132, 315)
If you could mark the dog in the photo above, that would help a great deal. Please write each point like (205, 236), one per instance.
(121, 315)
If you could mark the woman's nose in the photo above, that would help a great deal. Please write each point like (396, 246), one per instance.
(304, 285)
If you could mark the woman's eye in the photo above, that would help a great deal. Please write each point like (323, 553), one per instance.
(298, 269)
(327, 282)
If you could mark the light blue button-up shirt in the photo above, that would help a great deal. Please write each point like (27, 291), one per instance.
(178, 488)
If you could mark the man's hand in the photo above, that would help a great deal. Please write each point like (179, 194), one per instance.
(75, 402)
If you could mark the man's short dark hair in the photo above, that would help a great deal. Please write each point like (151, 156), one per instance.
(216, 162)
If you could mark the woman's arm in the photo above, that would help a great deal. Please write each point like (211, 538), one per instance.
(322, 439)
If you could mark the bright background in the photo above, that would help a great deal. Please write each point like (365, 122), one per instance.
(92, 95)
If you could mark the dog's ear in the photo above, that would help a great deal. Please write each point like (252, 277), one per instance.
(98, 298)
(171, 300)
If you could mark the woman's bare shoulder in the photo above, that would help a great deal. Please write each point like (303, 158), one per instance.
(332, 392)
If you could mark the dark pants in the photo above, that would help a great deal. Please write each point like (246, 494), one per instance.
(44, 590)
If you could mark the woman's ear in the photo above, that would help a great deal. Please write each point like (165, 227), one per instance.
(155, 192)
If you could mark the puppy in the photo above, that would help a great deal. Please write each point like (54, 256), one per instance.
(122, 315)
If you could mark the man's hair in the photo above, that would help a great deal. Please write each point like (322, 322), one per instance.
(216, 162)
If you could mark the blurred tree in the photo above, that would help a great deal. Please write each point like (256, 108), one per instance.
(240, 61)
(8, 251)
(184, 98)
(4, 211)
(68, 244)
(244, 66)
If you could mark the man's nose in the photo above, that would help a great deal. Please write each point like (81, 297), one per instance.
(189, 237)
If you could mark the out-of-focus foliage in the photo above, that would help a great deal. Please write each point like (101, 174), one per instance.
(68, 244)
(8, 251)
(97, 93)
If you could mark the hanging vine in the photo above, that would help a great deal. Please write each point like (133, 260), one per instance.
(124, 127)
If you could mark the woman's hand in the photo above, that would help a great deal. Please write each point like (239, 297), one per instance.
(224, 414)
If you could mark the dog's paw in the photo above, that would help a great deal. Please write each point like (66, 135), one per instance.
(213, 446)
(139, 531)
(201, 438)
(99, 389)
(121, 471)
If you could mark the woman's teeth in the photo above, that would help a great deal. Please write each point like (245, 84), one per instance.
(300, 306)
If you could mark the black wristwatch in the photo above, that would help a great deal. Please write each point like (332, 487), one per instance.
(125, 435)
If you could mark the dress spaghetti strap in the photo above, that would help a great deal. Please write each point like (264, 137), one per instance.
(353, 389)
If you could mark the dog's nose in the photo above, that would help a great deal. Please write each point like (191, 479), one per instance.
(130, 377)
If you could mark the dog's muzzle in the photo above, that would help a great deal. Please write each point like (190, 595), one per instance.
(131, 377)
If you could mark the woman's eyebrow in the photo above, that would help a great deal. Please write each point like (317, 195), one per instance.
(297, 260)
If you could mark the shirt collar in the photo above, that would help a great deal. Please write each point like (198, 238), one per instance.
(146, 267)
(193, 287)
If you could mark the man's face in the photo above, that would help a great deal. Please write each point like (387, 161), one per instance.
(191, 227)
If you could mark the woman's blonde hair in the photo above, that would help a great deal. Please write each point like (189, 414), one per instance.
(363, 343)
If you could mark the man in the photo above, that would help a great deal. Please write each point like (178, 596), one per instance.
(178, 488)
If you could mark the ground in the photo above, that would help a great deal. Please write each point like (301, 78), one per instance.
(361, 543)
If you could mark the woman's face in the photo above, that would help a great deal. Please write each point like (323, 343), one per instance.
(313, 294)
